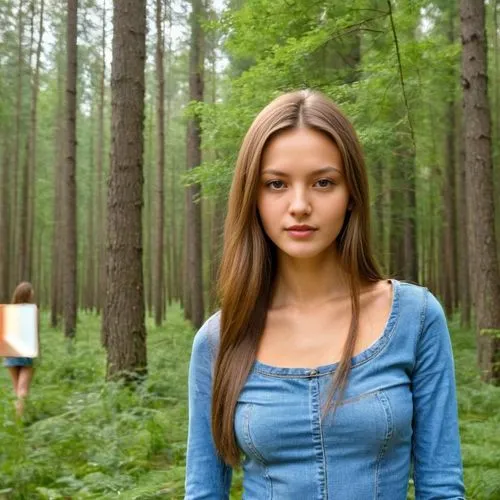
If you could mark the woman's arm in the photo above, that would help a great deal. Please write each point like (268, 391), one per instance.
(207, 476)
(436, 454)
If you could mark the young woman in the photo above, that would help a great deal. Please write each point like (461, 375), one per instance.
(323, 379)
(21, 369)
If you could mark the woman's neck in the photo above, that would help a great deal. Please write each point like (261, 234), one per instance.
(305, 283)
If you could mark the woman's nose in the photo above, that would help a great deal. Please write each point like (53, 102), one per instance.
(300, 203)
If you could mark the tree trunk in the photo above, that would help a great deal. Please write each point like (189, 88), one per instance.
(496, 134)
(160, 172)
(449, 221)
(89, 276)
(193, 219)
(216, 238)
(124, 322)
(378, 210)
(397, 204)
(176, 264)
(170, 236)
(148, 232)
(22, 243)
(186, 271)
(33, 141)
(463, 224)
(13, 260)
(479, 188)
(70, 230)
(57, 231)
(5, 285)
(410, 226)
(101, 216)
(22, 249)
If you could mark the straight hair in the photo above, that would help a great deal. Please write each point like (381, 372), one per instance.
(248, 263)
(23, 294)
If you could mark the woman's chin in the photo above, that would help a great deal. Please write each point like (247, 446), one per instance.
(306, 252)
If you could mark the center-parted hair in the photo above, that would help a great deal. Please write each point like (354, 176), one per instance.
(248, 263)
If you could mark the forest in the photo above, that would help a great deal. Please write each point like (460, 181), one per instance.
(120, 125)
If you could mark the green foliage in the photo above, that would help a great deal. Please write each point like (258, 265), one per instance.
(85, 438)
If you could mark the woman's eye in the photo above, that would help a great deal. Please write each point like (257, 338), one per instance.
(324, 183)
(275, 184)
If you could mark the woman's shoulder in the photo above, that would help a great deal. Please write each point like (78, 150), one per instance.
(207, 337)
(418, 300)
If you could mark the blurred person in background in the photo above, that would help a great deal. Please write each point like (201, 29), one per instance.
(21, 370)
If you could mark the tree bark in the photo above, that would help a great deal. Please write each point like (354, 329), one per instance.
(101, 216)
(171, 237)
(5, 285)
(160, 168)
(450, 230)
(496, 118)
(89, 276)
(13, 260)
(57, 231)
(33, 140)
(479, 188)
(193, 219)
(410, 226)
(463, 224)
(22, 243)
(148, 231)
(124, 321)
(70, 229)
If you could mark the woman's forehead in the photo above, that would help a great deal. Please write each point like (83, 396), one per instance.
(300, 150)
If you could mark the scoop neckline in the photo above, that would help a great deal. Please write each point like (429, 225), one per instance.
(356, 360)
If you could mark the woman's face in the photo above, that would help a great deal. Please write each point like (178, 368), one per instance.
(302, 183)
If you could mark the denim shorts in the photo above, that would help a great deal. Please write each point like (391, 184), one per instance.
(18, 362)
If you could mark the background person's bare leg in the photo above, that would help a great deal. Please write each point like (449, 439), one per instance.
(14, 375)
(23, 387)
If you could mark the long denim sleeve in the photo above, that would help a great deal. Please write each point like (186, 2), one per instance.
(436, 443)
(207, 476)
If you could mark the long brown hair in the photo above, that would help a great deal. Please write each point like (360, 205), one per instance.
(23, 294)
(248, 263)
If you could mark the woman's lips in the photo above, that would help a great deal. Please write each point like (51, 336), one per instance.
(300, 233)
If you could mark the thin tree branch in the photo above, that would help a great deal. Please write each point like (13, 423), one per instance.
(401, 75)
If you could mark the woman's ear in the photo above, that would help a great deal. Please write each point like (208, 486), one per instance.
(350, 206)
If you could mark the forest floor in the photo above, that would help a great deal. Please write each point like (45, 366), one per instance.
(84, 438)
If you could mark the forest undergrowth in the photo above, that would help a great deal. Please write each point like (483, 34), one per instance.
(84, 438)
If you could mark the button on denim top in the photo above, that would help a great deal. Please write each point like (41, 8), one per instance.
(399, 407)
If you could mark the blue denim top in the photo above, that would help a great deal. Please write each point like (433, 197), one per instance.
(399, 409)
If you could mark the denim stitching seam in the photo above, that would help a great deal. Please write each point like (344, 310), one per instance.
(423, 315)
(325, 479)
(384, 401)
(252, 446)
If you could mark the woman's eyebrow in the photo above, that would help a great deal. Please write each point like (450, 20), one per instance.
(324, 170)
